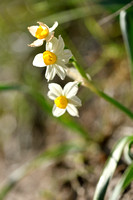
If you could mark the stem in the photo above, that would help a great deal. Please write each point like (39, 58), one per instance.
(85, 81)
(110, 100)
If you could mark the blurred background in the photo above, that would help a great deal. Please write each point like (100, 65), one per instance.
(75, 150)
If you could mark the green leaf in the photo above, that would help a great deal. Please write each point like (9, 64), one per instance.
(126, 24)
(126, 179)
(110, 167)
(9, 87)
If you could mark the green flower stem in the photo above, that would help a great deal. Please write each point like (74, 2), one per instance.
(90, 85)
(10, 87)
(79, 68)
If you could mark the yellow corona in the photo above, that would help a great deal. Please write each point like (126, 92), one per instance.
(41, 33)
(49, 58)
(61, 102)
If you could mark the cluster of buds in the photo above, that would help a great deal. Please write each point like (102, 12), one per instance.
(55, 58)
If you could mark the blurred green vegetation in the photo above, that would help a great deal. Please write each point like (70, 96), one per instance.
(27, 127)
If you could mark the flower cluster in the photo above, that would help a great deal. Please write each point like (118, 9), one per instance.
(55, 58)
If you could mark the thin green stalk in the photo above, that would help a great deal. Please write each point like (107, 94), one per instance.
(126, 25)
(10, 87)
(116, 104)
(90, 85)
(78, 67)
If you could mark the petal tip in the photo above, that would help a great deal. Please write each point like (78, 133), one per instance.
(30, 45)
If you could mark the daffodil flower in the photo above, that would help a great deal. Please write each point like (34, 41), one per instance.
(64, 99)
(42, 32)
(55, 58)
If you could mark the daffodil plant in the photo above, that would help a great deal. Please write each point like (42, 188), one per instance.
(55, 58)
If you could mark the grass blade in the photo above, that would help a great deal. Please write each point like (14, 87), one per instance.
(110, 168)
(9, 87)
(126, 179)
(126, 24)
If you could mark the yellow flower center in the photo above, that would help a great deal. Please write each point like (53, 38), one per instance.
(41, 33)
(61, 102)
(49, 58)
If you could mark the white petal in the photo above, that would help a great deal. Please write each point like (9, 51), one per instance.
(44, 26)
(60, 46)
(49, 37)
(57, 112)
(55, 89)
(70, 89)
(33, 29)
(52, 95)
(37, 43)
(53, 27)
(52, 44)
(72, 110)
(61, 72)
(50, 72)
(61, 64)
(75, 101)
(66, 55)
(38, 60)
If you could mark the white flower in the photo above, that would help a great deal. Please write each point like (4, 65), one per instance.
(65, 99)
(42, 32)
(55, 58)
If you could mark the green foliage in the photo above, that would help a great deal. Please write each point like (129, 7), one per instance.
(126, 179)
(110, 169)
(126, 23)
(9, 87)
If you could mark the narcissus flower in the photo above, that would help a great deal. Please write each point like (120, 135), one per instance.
(55, 58)
(64, 99)
(42, 32)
